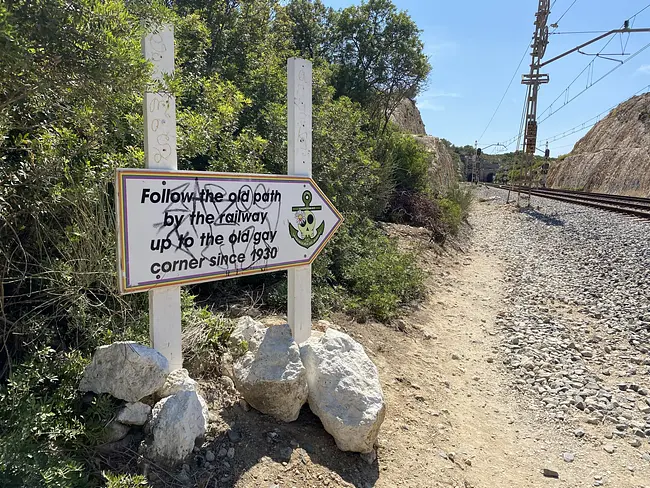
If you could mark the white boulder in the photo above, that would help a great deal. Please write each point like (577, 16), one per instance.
(134, 414)
(177, 421)
(126, 370)
(271, 376)
(344, 390)
(247, 330)
(177, 380)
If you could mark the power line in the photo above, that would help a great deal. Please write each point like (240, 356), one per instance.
(504, 93)
(644, 8)
(582, 126)
(565, 12)
(590, 65)
(576, 32)
(593, 83)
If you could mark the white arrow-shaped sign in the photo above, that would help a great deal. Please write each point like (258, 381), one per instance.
(182, 227)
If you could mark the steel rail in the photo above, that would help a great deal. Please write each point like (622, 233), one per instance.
(638, 207)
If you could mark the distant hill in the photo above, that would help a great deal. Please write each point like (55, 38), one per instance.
(614, 156)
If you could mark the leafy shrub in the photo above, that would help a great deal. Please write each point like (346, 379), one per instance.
(205, 336)
(455, 207)
(366, 273)
(124, 480)
(408, 159)
(451, 214)
(419, 210)
(45, 428)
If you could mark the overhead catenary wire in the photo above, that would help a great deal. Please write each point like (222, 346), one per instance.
(590, 66)
(504, 94)
(582, 126)
(568, 101)
(565, 12)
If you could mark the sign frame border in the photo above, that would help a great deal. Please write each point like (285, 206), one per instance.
(121, 219)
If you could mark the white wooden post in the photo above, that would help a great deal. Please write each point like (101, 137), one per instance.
(160, 153)
(299, 89)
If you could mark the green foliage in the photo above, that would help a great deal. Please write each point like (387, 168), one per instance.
(408, 159)
(45, 429)
(451, 214)
(343, 162)
(310, 27)
(205, 336)
(455, 207)
(71, 84)
(379, 56)
(364, 271)
(124, 480)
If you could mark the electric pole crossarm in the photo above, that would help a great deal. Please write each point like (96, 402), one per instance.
(595, 39)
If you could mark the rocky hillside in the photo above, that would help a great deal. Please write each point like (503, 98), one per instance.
(444, 169)
(408, 118)
(614, 156)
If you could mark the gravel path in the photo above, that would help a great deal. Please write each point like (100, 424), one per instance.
(576, 329)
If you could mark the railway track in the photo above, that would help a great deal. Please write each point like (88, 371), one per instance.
(636, 206)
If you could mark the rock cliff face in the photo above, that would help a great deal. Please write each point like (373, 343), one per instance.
(408, 118)
(614, 156)
(444, 169)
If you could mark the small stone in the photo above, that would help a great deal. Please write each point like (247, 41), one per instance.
(115, 431)
(455, 357)
(134, 414)
(231, 452)
(609, 435)
(549, 473)
(222, 452)
(635, 443)
(579, 433)
(468, 462)
(209, 456)
(234, 435)
(568, 457)
(609, 448)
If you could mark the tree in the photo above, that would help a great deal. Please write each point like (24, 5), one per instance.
(380, 57)
(311, 27)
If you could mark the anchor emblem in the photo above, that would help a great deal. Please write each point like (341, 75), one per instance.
(307, 234)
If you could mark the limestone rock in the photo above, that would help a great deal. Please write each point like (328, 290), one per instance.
(249, 331)
(271, 376)
(134, 414)
(344, 390)
(126, 370)
(115, 431)
(177, 380)
(611, 157)
(176, 422)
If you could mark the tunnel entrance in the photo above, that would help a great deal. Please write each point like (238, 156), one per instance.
(489, 178)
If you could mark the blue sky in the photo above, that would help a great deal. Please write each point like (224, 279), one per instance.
(475, 46)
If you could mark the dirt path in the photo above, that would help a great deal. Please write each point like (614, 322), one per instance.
(454, 417)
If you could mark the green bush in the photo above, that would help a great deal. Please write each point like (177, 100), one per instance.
(408, 159)
(455, 207)
(46, 431)
(205, 336)
(366, 273)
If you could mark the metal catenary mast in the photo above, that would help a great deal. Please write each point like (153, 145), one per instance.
(533, 80)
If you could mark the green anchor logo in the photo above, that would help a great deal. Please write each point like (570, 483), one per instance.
(306, 234)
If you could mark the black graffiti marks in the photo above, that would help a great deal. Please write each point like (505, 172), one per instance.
(223, 227)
